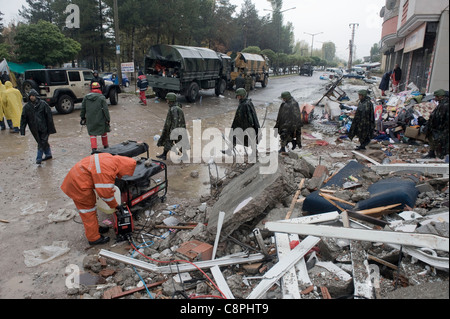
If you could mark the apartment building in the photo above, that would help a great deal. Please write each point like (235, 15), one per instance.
(415, 35)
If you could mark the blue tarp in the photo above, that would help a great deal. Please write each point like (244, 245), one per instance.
(21, 68)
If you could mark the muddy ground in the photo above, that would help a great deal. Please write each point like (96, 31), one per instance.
(30, 193)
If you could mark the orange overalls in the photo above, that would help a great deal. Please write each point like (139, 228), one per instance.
(96, 172)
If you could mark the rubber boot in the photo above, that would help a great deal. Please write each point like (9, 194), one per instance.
(163, 156)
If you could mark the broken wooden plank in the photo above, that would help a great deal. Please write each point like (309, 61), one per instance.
(294, 200)
(336, 199)
(221, 282)
(366, 158)
(4, 221)
(409, 239)
(377, 210)
(280, 268)
(132, 291)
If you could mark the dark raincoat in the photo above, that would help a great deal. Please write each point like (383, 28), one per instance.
(363, 123)
(385, 80)
(95, 110)
(437, 129)
(38, 116)
(289, 122)
(174, 119)
(245, 118)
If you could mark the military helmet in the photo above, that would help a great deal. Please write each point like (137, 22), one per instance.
(241, 92)
(95, 85)
(286, 95)
(363, 92)
(171, 97)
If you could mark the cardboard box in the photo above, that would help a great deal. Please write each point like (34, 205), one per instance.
(414, 132)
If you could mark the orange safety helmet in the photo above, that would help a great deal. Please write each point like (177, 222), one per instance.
(95, 85)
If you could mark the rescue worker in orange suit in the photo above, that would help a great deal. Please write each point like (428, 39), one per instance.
(142, 84)
(96, 172)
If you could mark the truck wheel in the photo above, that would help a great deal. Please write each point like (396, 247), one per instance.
(161, 93)
(65, 104)
(192, 92)
(221, 87)
(265, 81)
(28, 85)
(113, 97)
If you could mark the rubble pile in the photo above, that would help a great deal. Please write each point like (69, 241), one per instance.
(248, 260)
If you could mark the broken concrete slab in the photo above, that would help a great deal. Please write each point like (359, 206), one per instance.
(440, 169)
(247, 196)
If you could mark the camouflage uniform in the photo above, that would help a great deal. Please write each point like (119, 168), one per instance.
(437, 129)
(175, 119)
(248, 83)
(289, 122)
(245, 118)
(363, 123)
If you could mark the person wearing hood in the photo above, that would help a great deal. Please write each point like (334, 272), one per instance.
(384, 84)
(289, 122)
(142, 84)
(95, 175)
(38, 116)
(363, 123)
(97, 78)
(95, 115)
(437, 127)
(12, 106)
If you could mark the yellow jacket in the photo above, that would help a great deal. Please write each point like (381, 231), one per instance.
(12, 104)
(2, 90)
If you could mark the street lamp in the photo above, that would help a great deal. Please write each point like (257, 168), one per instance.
(312, 42)
(279, 30)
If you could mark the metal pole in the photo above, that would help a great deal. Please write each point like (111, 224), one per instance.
(312, 42)
(116, 31)
(352, 41)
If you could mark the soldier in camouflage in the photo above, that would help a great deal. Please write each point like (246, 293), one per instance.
(436, 129)
(245, 118)
(363, 123)
(175, 119)
(289, 122)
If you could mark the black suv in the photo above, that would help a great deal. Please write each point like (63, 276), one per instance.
(62, 88)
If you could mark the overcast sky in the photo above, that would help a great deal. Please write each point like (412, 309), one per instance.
(332, 17)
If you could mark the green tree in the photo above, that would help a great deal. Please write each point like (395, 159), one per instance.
(44, 43)
(375, 53)
(328, 51)
(39, 10)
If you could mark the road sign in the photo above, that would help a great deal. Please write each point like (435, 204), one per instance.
(127, 67)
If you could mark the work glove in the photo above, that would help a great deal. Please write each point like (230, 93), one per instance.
(83, 122)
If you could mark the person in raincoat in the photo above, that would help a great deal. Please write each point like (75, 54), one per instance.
(2, 113)
(289, 122)
(142, 84)
(245, 118)
(384, 84)
(396, 77)
(363, 123)
(95, 175)
(174, 119)
(437, 127)
(12, 106)
(38, 116)
(98, 79)
(95, 115)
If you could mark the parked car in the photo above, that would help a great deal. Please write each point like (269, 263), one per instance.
(353, 75)
(62, 88)
(113, 78)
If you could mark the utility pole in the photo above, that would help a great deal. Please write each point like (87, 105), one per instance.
(116, 31)
(352, 41)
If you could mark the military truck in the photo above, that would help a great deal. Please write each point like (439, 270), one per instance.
(186, 70)
(255, 65)
(307, 69)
